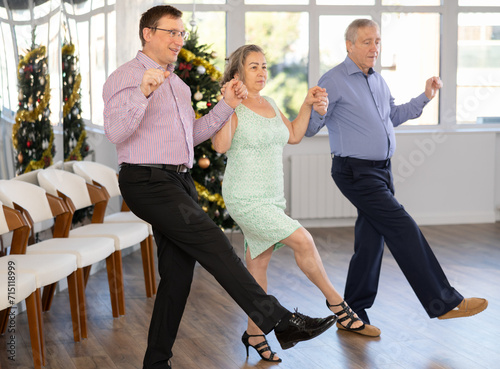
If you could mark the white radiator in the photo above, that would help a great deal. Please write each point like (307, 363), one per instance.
(313, 194)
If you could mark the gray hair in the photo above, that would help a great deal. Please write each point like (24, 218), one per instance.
(236, 62)
(351, 33)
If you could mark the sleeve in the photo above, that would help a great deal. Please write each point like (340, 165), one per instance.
(124, 106)
(411, 110)
(206, 126)
(316, 122)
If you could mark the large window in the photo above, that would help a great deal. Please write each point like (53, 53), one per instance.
(459, 41)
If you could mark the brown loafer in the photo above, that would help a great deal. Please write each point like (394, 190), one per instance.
(368, 330)
(468, 307)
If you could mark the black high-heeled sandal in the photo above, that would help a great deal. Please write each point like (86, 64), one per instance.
(349, 315)
(260, 347)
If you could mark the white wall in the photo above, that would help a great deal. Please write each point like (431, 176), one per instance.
(440, 178)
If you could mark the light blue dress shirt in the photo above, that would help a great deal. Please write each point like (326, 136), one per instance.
(361, 113)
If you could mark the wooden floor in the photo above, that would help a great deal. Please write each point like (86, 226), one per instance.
(209, 336)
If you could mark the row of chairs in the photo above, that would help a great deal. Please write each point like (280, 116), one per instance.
(51, 196)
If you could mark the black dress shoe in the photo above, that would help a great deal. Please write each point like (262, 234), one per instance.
(303, 328)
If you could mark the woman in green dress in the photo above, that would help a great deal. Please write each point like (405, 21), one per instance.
(253, 190)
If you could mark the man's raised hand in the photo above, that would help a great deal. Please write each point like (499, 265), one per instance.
(152, 79)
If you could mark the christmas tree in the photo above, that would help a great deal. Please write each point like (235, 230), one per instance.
(32, 135)
(75, 136)
(196, 70)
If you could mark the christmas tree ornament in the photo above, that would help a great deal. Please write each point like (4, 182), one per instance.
(219, 97)
(201, 69)
(204, 162)
(198, 95)
(213, 55)
(20, 157)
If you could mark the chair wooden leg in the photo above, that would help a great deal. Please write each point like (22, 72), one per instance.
(86, 273)
(38, 297)
(73, 301)
(80, 280)
(119, 282)
(146, 263)
(4, 320)
(152, 263)
(48, 296)
(36, 345)
(113, 293)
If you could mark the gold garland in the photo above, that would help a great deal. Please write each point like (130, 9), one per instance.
(31, 116)
(32, 54)
(68, 105)
(40, 164)
(68, 49)
(196, 60)
(205, 194)
(76, 150)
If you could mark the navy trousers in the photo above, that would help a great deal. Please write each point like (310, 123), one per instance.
(184, 234)
(381, 218)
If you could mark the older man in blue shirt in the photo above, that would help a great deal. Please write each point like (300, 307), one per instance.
(361, 118)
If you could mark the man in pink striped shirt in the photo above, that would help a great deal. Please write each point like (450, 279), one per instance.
(148, 115)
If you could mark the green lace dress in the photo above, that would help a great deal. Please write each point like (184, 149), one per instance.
(253, 181)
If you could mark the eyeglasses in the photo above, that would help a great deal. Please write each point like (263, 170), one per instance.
(173, 32)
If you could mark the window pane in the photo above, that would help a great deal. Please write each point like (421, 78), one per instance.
(345, 2)
(41, 10)
(277, 2)
(82, 7)
(111, 42)
(97, 4)
(479, 2)
(478, 69)
(412, 2)
(284, 36)
(332, 49)
(9, 70)
(97, 66)
(54, 64)
(211, 32)
(83, 52)
(403, 35)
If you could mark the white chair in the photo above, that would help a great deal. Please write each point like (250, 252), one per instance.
(47, 269)
(25, 287)
(78, 194)
(36, 205)
(32, 177)
(104, 176)
(24, 283)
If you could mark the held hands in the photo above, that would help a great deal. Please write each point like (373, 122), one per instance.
(234, 92)
(432, 86)
(152, 79)
(318, 98)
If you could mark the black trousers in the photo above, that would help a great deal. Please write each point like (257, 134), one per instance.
(185, 234)
(381, 218)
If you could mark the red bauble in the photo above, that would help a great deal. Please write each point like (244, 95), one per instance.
(209, 104)
(28, 144)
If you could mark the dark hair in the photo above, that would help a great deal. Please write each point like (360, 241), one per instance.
(236, 62)
(150, 18)
(351, 33)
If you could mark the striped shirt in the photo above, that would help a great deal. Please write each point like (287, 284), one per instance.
(159, 129)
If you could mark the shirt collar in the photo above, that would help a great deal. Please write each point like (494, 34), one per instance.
(149, 63)
(353, 68)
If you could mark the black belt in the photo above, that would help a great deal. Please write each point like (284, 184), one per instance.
(181, 168)
(363, 162)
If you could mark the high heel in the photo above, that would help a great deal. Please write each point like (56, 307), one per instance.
(260, 347)
(349, 315)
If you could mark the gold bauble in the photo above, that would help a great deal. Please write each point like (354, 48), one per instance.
(20, 158)
(219, 97)
(204, 162)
